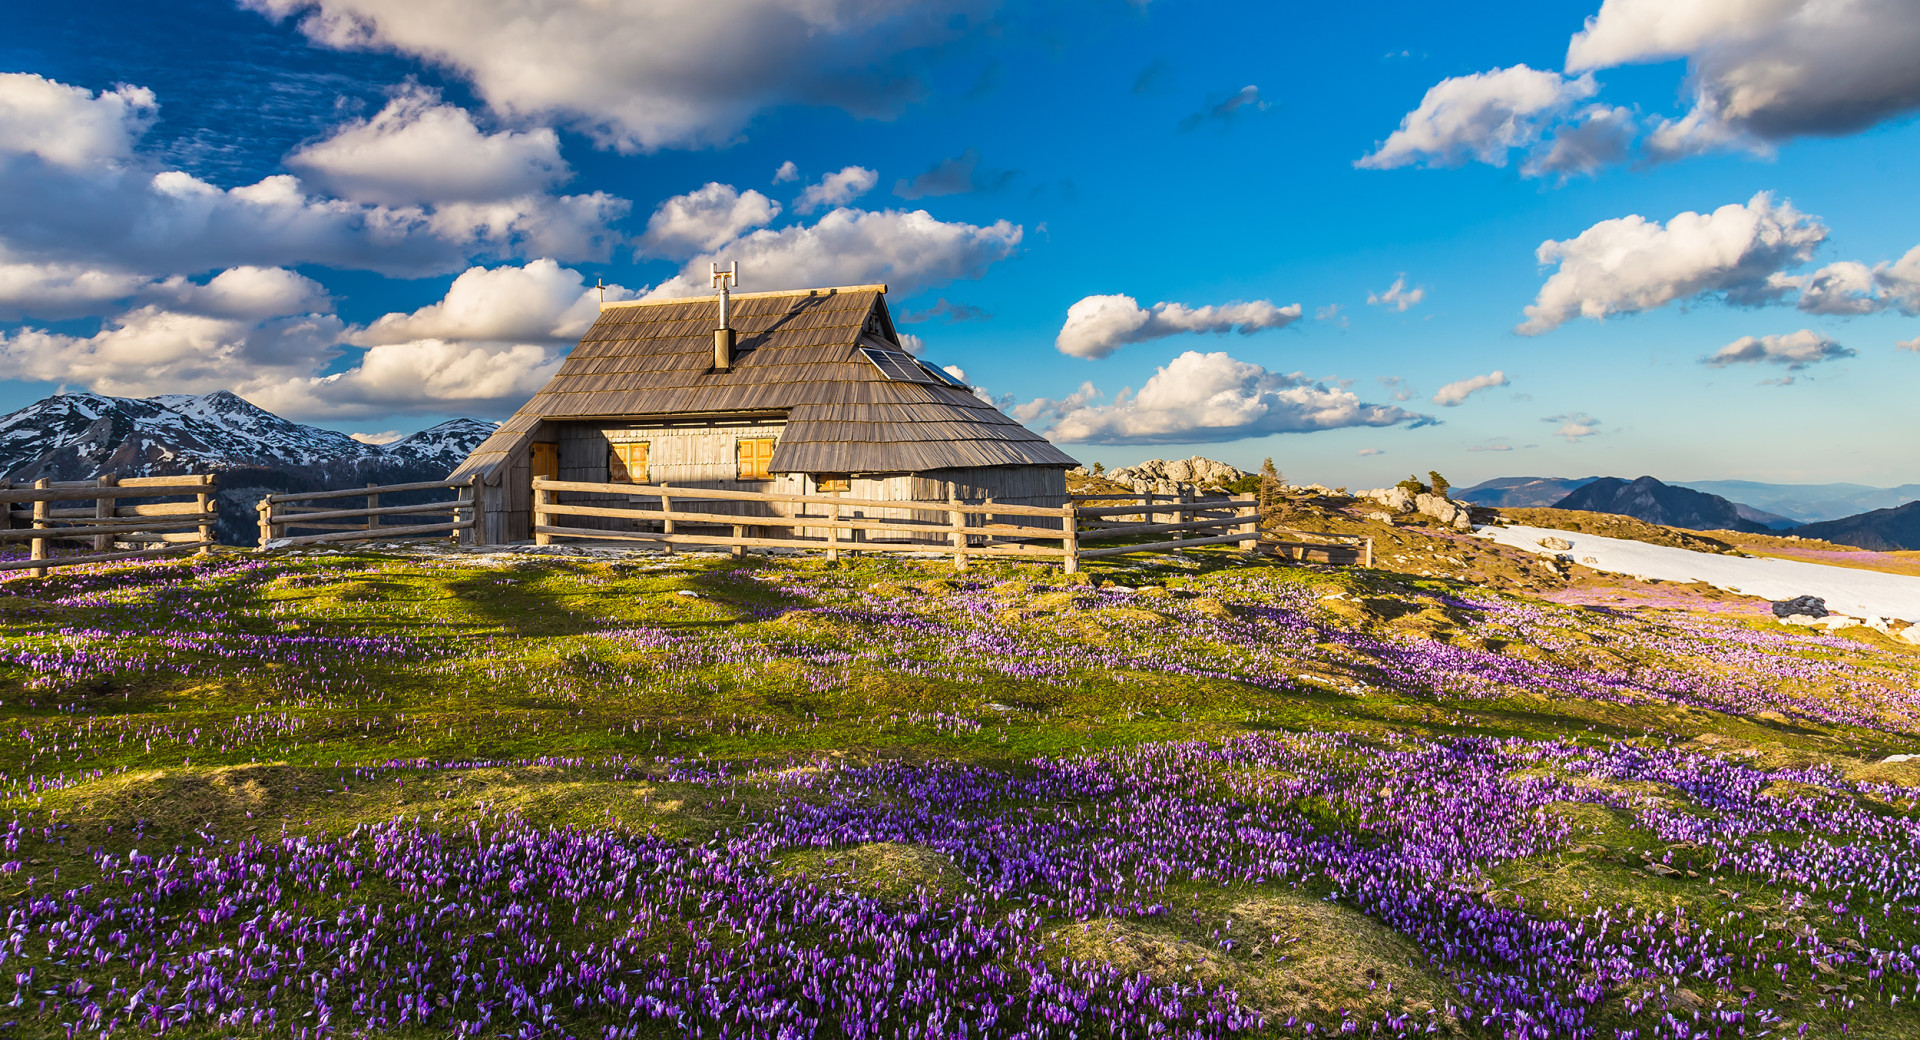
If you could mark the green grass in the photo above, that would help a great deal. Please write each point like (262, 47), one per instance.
(179, 705)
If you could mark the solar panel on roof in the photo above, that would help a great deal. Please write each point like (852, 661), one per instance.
(897, 365)
(943, 375)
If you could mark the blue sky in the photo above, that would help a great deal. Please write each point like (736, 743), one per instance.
(277, 197)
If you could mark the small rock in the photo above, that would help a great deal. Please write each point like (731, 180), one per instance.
(1890, 759)
(1800, 619)
(1589, 560)
(1555, 543)
(1812, 606)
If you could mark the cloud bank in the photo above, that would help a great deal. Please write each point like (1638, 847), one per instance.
(1454, 394)
(637, 75)
(1795, 350)
(1206, 398)
(1099, 325)
(1632, 264)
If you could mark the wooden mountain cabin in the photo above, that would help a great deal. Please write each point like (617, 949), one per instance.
(806, 391)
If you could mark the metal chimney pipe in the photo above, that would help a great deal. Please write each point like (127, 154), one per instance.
(723, 337)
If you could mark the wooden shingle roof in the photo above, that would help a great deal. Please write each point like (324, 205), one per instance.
(797, 354)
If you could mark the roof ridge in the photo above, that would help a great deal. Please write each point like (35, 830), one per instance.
(879, 287)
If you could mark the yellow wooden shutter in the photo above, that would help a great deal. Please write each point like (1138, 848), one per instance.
(756, 458)
(627, 463)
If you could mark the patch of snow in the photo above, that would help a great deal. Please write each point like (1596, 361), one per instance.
(1847, 590)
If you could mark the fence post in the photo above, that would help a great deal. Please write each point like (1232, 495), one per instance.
(1183, 515)
(1366, 554)
(103, 512)
(1149, 516)
(958, 521)
(1070, 520)
(739, 550)
(666, 523)
(833, 533)
(541, 518)
(207, 505)
(462, 513)
(373, 502)
(40, 523)
(1249, 509)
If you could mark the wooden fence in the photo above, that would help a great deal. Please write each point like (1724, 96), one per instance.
(279, 514)
(670, 517)
(664, 515)
(1304, 546)
(57, 511)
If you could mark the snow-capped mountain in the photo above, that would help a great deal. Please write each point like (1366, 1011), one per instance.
(450, 442)
(77, 436)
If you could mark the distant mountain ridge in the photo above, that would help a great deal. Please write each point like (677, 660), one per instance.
(255, 452)
(1521, 492)
(1658, 503)
(1808, 503)
(1884, 530)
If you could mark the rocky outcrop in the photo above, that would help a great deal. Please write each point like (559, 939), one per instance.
(1456, 515)
(1810, 606)
(1172, 476)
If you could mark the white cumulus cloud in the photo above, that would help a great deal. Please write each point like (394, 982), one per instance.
(1213, 397)
(1482, 116)
(1767, 70)
(268, 335)
(1574, 426)
(1795, 350)
(705, 219)
(1456, 393)
(152, 349)
(418, 150)
(910, 251)
(1398, 296)
(836, 189)
(645, 74)
(1099, 325)
(1631, 264)
(71, 126)
(119, 212)
(539, 301)
(1849, 287)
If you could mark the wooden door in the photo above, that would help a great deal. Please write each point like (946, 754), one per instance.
(545, 461)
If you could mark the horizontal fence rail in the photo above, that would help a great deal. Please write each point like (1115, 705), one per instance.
(669, 516)
(158, 528)
(278, 514)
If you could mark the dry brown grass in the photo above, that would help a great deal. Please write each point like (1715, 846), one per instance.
(888, 870)
(1293, 957)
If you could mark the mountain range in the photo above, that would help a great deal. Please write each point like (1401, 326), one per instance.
(255, 452)
(1658, 503)
(1777, 505)
(1690, 506)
